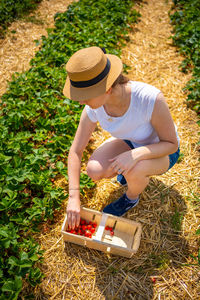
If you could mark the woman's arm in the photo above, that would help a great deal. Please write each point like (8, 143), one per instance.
(82, 136)
(163, 124)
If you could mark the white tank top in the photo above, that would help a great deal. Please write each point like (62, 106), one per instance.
(135, 124)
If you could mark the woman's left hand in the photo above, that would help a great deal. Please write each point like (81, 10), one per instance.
(123, 162)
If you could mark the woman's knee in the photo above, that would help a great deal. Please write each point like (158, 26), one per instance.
(94, 170)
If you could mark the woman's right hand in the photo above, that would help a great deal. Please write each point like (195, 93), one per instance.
(73, 212)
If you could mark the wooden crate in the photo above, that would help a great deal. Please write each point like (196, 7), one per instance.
(124, 242)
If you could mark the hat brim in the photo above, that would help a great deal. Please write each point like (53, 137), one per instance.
(98, 89)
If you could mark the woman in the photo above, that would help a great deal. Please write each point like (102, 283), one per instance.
(144, 138)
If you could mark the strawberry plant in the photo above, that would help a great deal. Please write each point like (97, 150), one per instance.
(37, 125)
(186, 23)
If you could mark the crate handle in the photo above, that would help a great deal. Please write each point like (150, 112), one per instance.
(137, 237)
(101, 227)
(64, 223)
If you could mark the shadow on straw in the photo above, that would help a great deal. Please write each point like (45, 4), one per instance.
(163, 250)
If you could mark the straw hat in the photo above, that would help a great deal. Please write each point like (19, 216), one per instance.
(91, 73)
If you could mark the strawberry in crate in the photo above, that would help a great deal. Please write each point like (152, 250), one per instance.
(85, 228)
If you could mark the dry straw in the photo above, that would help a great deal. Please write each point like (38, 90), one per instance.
(163, 268)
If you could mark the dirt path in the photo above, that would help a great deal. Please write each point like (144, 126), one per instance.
(164, 254)
(153, 60)
(17, 49)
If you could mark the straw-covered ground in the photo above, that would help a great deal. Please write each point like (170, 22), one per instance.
(164, 266)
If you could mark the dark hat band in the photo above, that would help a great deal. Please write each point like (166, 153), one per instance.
(88, 83)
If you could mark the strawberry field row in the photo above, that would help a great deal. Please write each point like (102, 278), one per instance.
(37, 125)
(12, 9)
(186, 21)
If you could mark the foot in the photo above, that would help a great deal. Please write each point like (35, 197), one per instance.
(120, 206)
(121, 179)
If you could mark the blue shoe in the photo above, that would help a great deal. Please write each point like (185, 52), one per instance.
(121, 179)
(120, 206)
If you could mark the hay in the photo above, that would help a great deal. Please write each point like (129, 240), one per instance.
(163, 268)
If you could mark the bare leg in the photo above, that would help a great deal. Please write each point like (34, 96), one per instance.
(98, 166)
(138, 177)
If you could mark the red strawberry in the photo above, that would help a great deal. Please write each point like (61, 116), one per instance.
(88, 234)
(79, 231)
(153, 279)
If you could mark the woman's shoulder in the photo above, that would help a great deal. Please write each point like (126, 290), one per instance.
(142, 85)
(142, 90)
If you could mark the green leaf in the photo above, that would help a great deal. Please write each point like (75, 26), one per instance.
(4, 233)
(35, 276)
(13, 261)
(23, 256)
(1, 274)
(13, 286)
(34, 257)
(198, 231)
(60, 165)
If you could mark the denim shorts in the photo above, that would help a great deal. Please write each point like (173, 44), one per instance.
(172, 157)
